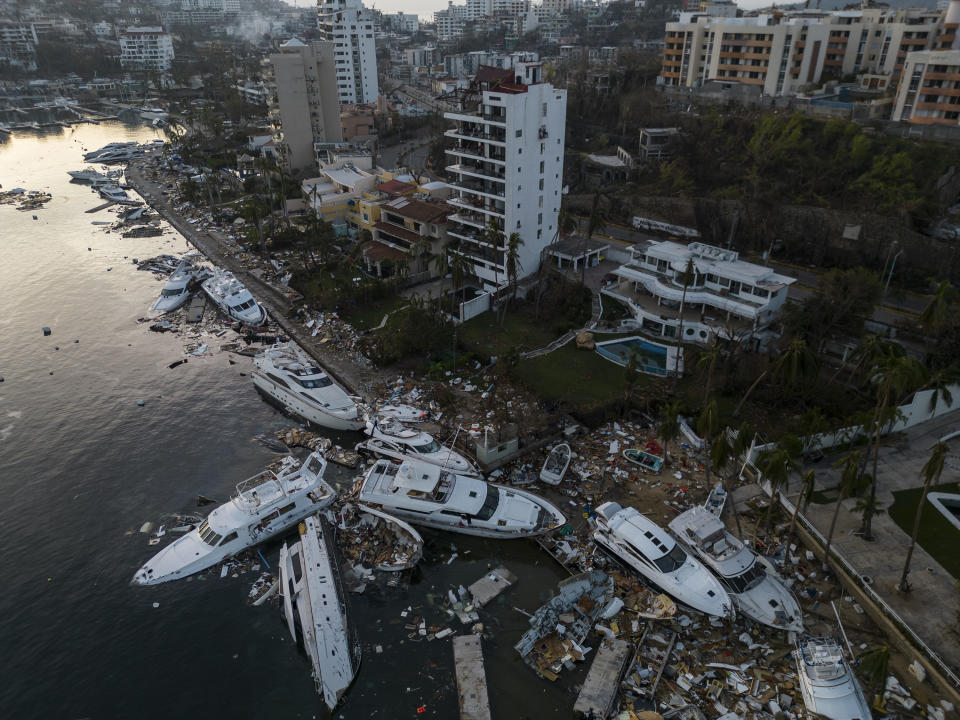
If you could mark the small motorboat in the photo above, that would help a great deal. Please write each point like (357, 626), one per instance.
(264, 588)
(648, 462)
(827, 683)
(716, 500)
(391, 438)
(556, 464)
(88, 176)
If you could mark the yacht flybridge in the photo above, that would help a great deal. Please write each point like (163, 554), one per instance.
(230, 295)
(315, 605)
(756, 590)
(291, 378)
(265, 505)
(391, 438)
(425, 494)
(647, 549)
(828, 685)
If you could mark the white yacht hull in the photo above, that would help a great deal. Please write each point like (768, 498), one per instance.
(755, 604)
(308, 411)
(681, 592)
(448, 459)
(556, 464)
(836, 699)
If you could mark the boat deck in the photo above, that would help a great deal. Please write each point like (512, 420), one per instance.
(471, 678)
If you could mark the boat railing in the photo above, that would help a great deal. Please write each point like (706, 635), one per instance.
(333, 554)
(247, 498)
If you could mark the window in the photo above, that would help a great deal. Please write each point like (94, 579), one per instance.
(672, 561)
(208, 535)
(519, 133)
(541, 166)
(279, 381)
(541, 188)
(539, 218)
(287, 508)
(541, 148)
(229, 538)
(539, 234)
(490, 504)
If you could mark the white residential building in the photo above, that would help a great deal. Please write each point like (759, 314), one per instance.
(18, 45)
(449, 24)
(349, 25)
(726, 297)
(405, 22)
(304, 103)
(146, 48)
(508, 169)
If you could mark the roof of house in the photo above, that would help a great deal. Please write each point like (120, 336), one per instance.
(488, 73)
(418, 210)
(375, 251)
(395, 187)
(398, 232)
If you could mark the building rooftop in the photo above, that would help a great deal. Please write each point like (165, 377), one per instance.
(395, 187)
(717, 261)
(418, 210)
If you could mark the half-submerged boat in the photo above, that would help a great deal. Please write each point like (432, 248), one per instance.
(403, 413)
(756, 591)
(375, 539)
(290, 377)
(828, 685)
(649, 551)
(556, 464)
(314, 605)
(177, 288)
(230, 295)
(427, 495)
(391, 438)
(265, 505)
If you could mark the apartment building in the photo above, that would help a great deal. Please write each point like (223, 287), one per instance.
(781, 52)
(146, 48)
(18, 45)
(449, 23)
(349, 25)
(508, 169)
(726, 297)
(304, 106)
(405, 22)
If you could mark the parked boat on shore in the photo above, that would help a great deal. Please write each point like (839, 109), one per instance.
(756, 591)
(827, 683)
(646, 460)
(264, 506)
(391, 438)
(314, 605)
(177, 288)
(556, 464)
(113, 192)
(424, 494)
(286, 374)
(647, 549)
(233, 298)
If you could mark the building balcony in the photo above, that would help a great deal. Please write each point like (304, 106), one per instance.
(477, 170)
(464, 134)
(477, 154)
(483, 189)
(476, 220)
(664, 289)
(476, 205)
(481, 118)
(488, 258)
(474, 236)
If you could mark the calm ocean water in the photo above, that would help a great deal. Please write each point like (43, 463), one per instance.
(82, 467)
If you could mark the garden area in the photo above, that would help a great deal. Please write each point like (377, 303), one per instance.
(937, 536)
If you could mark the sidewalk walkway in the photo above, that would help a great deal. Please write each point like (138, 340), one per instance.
(930, 609)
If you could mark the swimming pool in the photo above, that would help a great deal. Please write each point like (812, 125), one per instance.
(652, 357)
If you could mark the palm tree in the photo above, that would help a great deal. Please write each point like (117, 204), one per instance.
(513, 267)
(931, 472)
(597, 222)
(460, 270)
(688, 273)
(669, 429)
(630, 377)
(850, 480)
(796, 366)
(939, 311)
(874, 667)
(708, 360)
(707, 426)
(776, 466)
(807, 483)
(566, 224)
(493, 235)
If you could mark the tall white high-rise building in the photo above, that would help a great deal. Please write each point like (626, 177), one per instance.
(303, 98)
(349, 25)
(508, 169)
(146, 48)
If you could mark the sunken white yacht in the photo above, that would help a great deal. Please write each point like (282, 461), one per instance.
(648, 550)
(828, 685)
(391, 438)
(177, 288)
(314, 604)
(291, 378)
(425, 494)
(756, 590)
(265, 505)
(230, 295)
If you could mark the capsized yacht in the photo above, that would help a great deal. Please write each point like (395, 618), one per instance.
(177, 288)
(425, 494)
(828, 685)
(650, 551)
(288, 375)
(756, 590)
(314, 605)
(391, 438)
(230, 295)
(265, 505)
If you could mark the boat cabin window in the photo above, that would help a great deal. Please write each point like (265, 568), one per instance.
(430, 447)
(287, 508)
(314, 465)
(229, 538)
(170, 292)
(490, 504)
(672, 561)
(277, 380)
(746, 580)
(244, 305)
(297, 569)
(208, 535)
(311, 383)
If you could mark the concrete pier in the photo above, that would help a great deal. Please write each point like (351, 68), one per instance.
(471, 678)
(600, 688)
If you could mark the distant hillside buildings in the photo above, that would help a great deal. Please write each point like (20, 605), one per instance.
(146, 48)
(349, 25)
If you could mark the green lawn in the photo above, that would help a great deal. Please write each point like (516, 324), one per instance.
(581, 378)
(937, 536)
(485, 336)
(368, 315)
